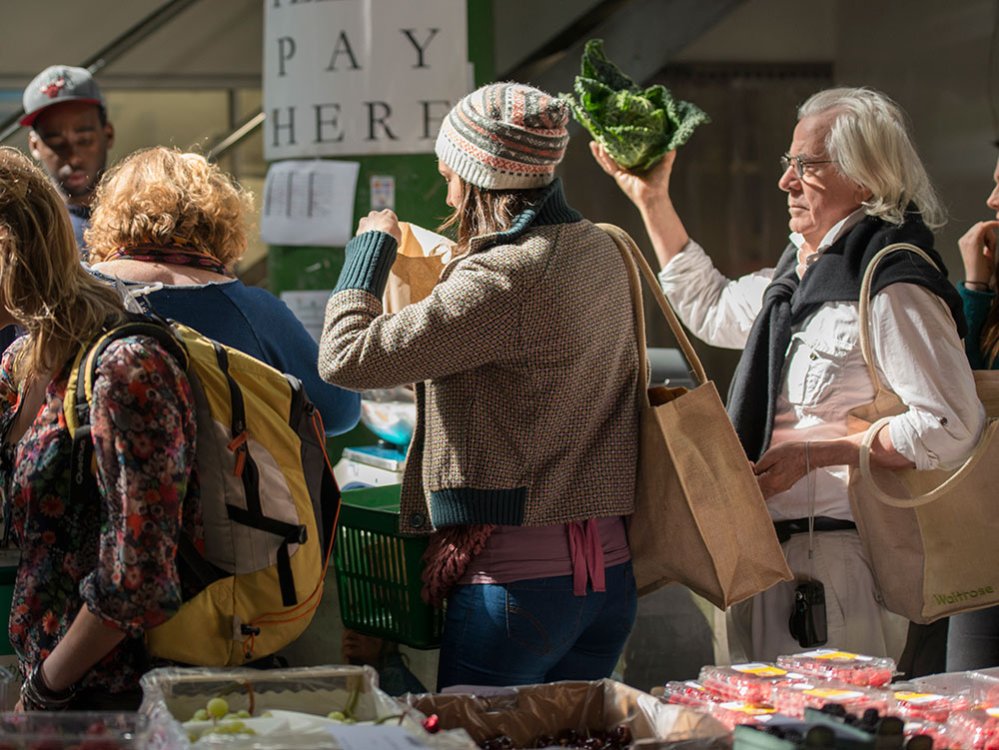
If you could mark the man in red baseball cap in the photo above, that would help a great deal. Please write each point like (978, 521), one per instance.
(70, 135)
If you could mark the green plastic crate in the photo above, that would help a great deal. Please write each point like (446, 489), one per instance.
(378, 571)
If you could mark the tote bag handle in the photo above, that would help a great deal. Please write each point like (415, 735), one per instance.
(635, 261)
(874, 429)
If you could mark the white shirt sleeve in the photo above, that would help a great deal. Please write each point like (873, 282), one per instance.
(716, 309)
(921, 358)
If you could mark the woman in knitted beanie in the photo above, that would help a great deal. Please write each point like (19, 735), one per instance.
(524, 357)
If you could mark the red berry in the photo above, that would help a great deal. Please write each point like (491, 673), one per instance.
(432, 724)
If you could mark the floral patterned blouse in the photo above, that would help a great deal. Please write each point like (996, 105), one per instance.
(113, 553)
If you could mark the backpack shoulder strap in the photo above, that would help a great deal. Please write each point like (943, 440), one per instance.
(79, 393)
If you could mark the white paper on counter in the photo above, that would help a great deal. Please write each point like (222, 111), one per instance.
(351, 737)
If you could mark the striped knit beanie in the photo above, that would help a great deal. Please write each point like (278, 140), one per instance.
(505, 136)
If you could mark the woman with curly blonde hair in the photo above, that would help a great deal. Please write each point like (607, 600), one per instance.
(97, 569)
(175, 220)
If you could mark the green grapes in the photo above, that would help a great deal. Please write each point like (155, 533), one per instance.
(346, 715)
(223, 722)
(217, 707)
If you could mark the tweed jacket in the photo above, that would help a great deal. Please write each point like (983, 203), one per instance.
(526, 370)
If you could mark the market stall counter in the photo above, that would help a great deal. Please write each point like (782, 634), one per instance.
(758, 706)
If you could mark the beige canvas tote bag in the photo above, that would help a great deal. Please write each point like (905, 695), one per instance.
(932, 536)
(700, 519)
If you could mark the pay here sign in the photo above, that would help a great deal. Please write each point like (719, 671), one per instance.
(353, 77)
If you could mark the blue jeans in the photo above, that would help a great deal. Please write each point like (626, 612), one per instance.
(535, 631)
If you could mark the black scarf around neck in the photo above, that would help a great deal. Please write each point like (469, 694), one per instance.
(834, 277)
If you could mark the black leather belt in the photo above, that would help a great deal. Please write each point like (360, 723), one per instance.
(785, 529)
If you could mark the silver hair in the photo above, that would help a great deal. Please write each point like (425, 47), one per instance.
(870, 143)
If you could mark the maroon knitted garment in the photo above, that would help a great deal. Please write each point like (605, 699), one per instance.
(447, 556)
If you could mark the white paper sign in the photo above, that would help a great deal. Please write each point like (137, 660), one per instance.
(350, 737)
(352, 77)
(309, 203)
(309, 307)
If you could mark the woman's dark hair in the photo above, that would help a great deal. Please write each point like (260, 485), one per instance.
(487, 211)
(989, 342)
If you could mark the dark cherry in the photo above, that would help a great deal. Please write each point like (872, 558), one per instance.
(834, 709)
(621, 735)
(870, 717)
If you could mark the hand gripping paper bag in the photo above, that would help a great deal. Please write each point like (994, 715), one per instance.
(417, 268)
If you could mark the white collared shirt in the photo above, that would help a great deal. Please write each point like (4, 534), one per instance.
(840, 228)
(916, 350)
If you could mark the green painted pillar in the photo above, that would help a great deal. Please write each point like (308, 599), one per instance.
(419, 198)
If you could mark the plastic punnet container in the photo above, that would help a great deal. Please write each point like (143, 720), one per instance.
(736, 713)
(689, 693)
(919, 706)
(74, 730)
(969, 684)
(976, 729)
(378, 571)
(984, 689)
(964, 690)
(793, 698)
(752, 682)
(288, 708)
(729, 712)
(833, 664)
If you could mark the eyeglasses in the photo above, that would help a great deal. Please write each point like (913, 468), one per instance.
(800, 163)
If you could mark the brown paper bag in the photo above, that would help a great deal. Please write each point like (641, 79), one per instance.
(700, 518)
(932, 536)
(417, 268)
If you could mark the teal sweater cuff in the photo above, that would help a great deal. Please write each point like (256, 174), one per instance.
(976, 311)
(369, 258)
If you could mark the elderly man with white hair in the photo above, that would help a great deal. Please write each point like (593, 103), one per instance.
(854, 185)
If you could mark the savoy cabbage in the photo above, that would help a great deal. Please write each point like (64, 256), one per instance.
(637, 126)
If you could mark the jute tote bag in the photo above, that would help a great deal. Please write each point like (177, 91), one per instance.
(932, 536)
(700, 518)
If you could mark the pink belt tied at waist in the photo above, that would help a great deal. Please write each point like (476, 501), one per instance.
(587, 555)
(521, 553)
